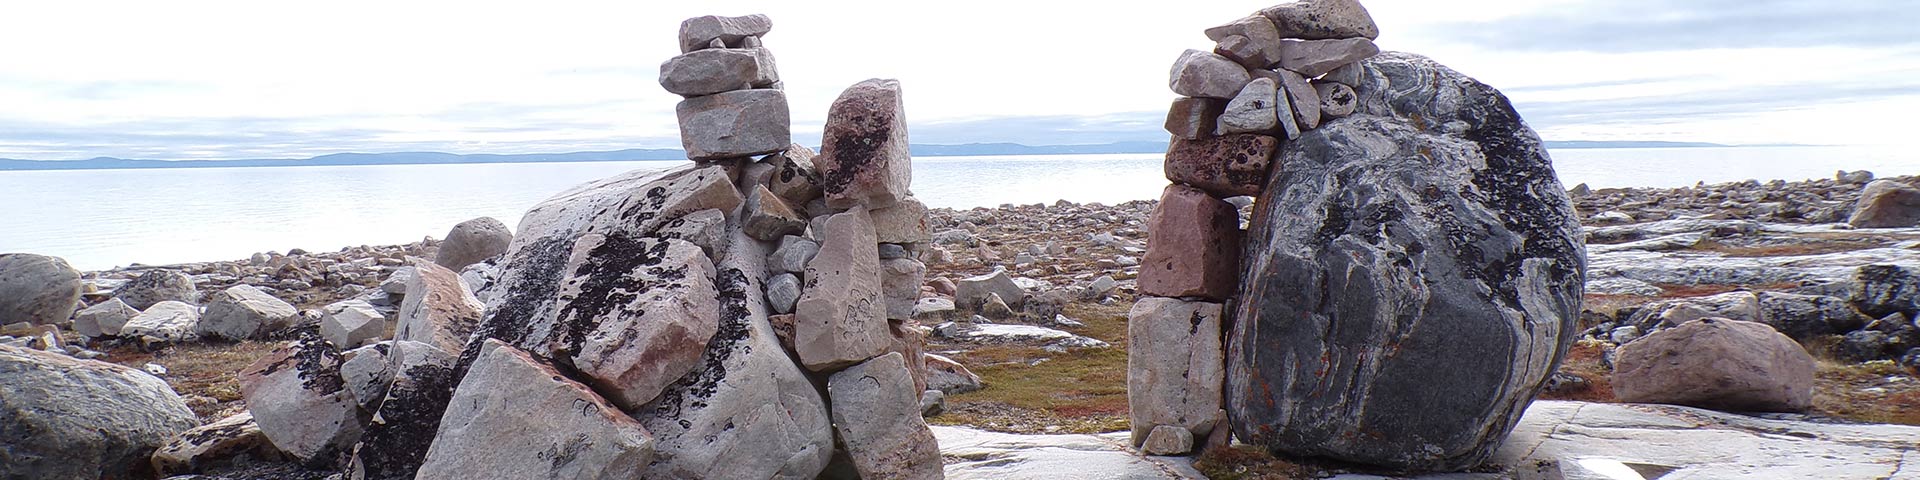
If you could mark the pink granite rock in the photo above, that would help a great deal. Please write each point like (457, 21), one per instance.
(1193, 246)
(863, 153)
(1227, 166)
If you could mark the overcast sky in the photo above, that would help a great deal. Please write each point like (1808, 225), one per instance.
(251, 79)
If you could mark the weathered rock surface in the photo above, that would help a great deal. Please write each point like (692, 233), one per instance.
(863, 152)
(1168, 440)
(1322, 19)
(473, 241)
(1207, 75)
(367, 372)
(1256, 109)
(438, 309)
(1885, 289)
(1252, 41)
(734, 124)
(514, 417)
(104, 318)
(706, 228)
(972, 291)
(876, 413)
(769, 217)
(1174, 367)
(169, 320)
(792, 255)
(698, 33)
(37, 289)
(1313, 58)
(1194, 118)
(157, 286)
(982, 455)
(418, 386)
(1413, 268)
(352, 324)
(903, 223)
(300, 401)
(1304, 99)
(1225, 166)
(241, 312)
(1887, 204)
(950, 377)
(841, 317)
(900, 281)
(1804, 317)
(637, 313)
(1193, 246)
(716, 70)
(1719, 364)
(62, 417)
(211, 444)
(794, 178)
(1336, 100)
(783, 292)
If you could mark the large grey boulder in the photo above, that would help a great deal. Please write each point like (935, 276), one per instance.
(515, 417)
(841, 318)
(62, 417)
(169, 320)
(639, 313)
(1719, 364)
(1887, 204)
(103, 319)
(734, 124)
(876, 412)
(241, 312)
(418, 386)
(473, 241)
(37, 289)
(301, 402)
(1417, 281)
(438, 309)
(863, 151)
(158, 285)
(1881, 290)
(1322, 19)
(1174, 367)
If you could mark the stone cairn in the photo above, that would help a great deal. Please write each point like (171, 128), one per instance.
(745, 316)
(1410, 274)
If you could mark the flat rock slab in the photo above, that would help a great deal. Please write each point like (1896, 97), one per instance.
(699, 32)
(983, 455)
(841, 318)
(1012, 334)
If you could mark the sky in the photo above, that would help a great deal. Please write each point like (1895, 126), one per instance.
(250, 79)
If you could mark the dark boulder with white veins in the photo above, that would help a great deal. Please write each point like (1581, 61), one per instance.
(1414, 274)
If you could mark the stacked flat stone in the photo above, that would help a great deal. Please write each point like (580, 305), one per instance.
(1271, 77)
(734, 105)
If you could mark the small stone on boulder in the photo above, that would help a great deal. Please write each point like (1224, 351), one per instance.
(1225, 166)
(863, 155)
(1193, 246)
(1255, 110)
(734, 124)
(1207, 75)
(1168, 440)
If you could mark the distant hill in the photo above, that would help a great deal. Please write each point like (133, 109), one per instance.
(658, 154)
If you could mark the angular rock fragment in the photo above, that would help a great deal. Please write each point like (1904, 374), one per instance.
(1881, 290)
(792, 255)
(734, 124)
(473, 241)
(301, 402)
(37, 289)
(1255, 110)
(62, 417)
(1417, 282)
(1207, 75)
(841, 317)
(718, 70)
(783, 291)
(514, 417)
(638, 314)
(1718, 364)
(900, 281)
(973, 291)
(699, 33)
(1805, 317)
(438, 309)
(1348, 74)
(367, 372)
(769, 217)
(352, 324)
(1225, 166)
(1194, 118)
(212, 444)
(1887, 204)
(863, 154)
(406, 421)
(1322, 19)
(1174, 366)
(169, 320)
(1253, 41)
(1313, 58)
(1193, 246)
(241, 312)
(705, 228)
(104, 318)
(877, 418)
(1168, 440)
(903, 223)
(1304, 99)
(794, 178)
(948, 376)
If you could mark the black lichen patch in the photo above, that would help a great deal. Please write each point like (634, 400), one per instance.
(609, 281)
(396, 442)
(1520, 184)
(857, 138)
(648, 207)
(691, 392)
(315, 361)
(537, 271)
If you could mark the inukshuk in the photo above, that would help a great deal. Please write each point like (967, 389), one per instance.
(639, 327)
(1412, 269)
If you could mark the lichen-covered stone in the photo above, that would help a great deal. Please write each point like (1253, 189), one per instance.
(903, 223)
(406, 420)
(1322, 19)
(170, 320)
(515, 417)
(841, 318)
(158, 285)
(438, 309)
(705, 228)
(1313, 58)
(301, 402)
(220, 442)
(794, 178)
(1255, 110)
(1253, 41)
(1418, 277)
(637, 314)
(863, 152)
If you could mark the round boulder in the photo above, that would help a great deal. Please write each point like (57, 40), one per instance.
(62, 417)
(37, 289)
(157, 286)
(1717, 364)
(1887, 204)
(473, 241)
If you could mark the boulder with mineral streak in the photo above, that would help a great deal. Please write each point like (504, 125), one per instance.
(863, 154)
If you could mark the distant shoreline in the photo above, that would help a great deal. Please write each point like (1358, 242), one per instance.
(675, 155)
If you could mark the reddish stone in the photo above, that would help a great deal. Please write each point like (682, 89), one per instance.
(1193, 246)
(1193, 118)
(863, 153)
(1226, 166)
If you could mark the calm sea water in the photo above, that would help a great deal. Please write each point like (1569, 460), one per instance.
(105, 218)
